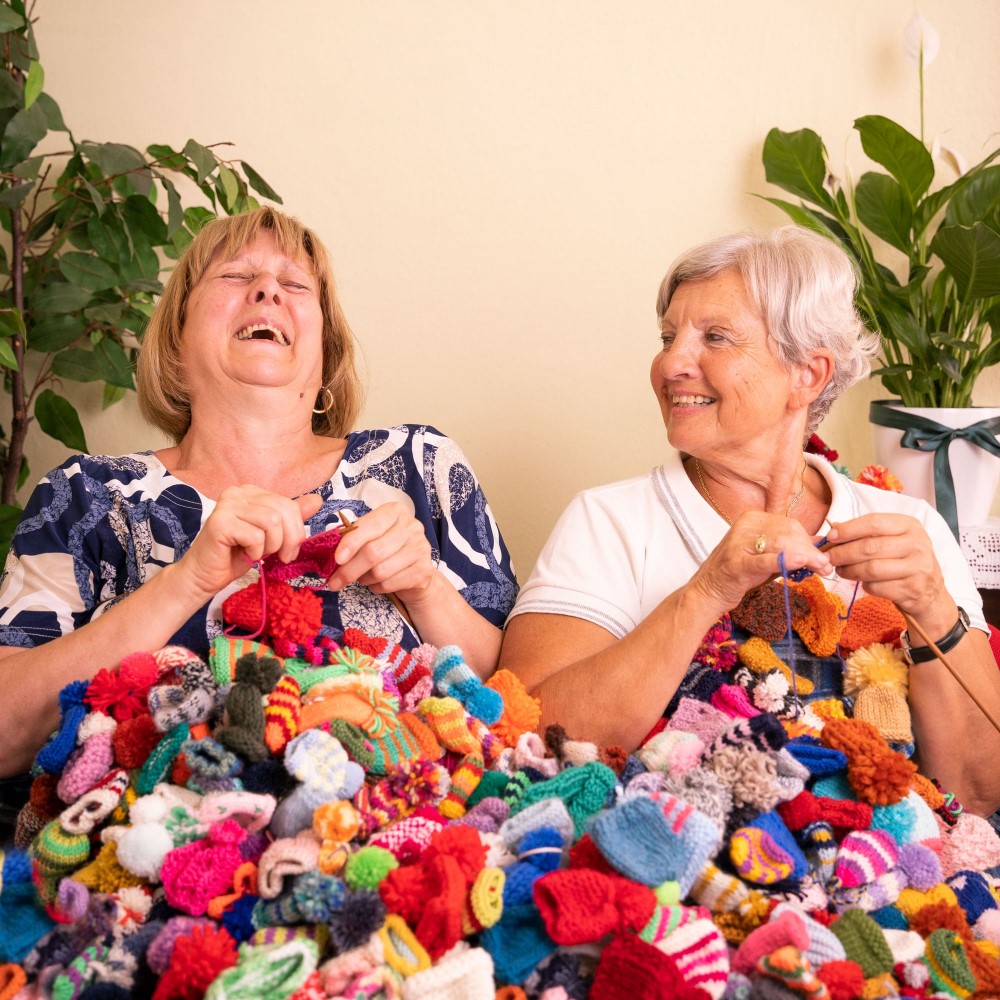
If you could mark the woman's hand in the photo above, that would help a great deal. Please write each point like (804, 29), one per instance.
(892, 556)
(388, 552)
(247, 524)
(747, 557)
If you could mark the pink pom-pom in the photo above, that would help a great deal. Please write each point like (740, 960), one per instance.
(987, 927)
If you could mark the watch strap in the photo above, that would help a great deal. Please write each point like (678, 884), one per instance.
(924, 654)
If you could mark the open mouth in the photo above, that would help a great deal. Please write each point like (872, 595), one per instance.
(691, 400)
(262, 331)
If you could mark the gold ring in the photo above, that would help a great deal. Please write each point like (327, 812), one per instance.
(760, 544)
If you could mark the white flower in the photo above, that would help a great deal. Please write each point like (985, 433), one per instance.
(921, 40)
(946, 154)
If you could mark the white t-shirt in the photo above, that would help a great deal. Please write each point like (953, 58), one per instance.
(619, 550)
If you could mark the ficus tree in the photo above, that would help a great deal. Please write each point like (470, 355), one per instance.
(90, 227)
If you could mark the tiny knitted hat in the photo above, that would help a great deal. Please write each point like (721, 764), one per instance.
(821, 627)
(463, 973)
(763, 732)
(864, 856)
(267, 972)
(521, 711)
(758, 858)
(638, 842)
(580, 905)
(772, 824)
(878, 775)
(701, 955)
(692, 716)
(948, 963)
(454, 678)
(820, 848)
(319, 761)
(464, 779)
(518, 942)
(718, 891)
(405, 789)
(584, 791)
(700, 787)
(791, 969)
(87, 764)
(863, 942)
(550, 813)
(818, 759)
(824, 946)
(282, 713)
(974, 893)
(970, 843)
(783, 929)
(631, 969)
(447, 719)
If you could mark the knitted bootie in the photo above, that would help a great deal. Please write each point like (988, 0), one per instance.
(281, 714)
(454, 678)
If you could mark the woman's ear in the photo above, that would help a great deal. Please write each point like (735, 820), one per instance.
(812, 377)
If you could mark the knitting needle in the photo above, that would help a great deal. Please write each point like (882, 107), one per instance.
(348, 522)
(911, 624)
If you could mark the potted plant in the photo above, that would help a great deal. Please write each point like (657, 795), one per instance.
(929, 259)
(90, 227)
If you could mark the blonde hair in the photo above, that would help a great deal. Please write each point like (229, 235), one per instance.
(803, 286)
(160, 381)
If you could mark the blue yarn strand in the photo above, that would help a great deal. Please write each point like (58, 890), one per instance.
(788, 625)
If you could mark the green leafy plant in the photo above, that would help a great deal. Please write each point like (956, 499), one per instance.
(90, 227)
(937, 306)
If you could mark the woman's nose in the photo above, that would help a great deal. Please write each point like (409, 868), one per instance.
(266, 288)
(680, 357)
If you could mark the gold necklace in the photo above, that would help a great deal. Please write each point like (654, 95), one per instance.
(708, 495)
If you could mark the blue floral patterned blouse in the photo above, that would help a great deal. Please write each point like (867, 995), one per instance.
(97, 527)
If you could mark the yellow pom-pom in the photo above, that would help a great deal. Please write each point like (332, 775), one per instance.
(878, 663)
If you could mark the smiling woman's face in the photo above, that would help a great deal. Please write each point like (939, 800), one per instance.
(254, 319)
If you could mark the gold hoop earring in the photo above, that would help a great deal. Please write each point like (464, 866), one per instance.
(328, 402)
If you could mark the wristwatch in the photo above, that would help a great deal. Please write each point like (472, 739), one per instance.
(924, 654)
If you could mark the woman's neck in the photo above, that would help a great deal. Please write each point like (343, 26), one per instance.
(273, 451)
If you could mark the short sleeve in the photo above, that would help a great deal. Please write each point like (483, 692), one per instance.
(587, 570)
(468, 546)
(47, 588)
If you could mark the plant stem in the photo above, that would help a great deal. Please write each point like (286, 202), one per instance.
(19, 419)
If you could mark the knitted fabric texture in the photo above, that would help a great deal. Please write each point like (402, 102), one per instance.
(762, 611)
(873, 619)
(877, 774)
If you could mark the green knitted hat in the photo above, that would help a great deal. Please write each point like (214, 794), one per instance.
(864, 942)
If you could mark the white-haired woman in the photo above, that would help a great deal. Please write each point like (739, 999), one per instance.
(759, 334)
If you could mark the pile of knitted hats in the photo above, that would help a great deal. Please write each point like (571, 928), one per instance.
(308, 818)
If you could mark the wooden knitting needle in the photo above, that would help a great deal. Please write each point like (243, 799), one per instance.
(911, 624)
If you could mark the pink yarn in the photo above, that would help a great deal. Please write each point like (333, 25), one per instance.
(530, 752)
(733, 700)
(86, 766)
(706, 722)
(987, 927)
(193, 875)
(286, 856)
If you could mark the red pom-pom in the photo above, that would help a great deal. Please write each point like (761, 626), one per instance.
(134, 739)
(197, 960)
(122, 693)
(295, 615)
(844, 979)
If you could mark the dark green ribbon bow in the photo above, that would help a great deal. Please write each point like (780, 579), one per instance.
(928, 435)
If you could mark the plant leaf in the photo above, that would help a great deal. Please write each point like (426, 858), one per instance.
(796, 162)
(971, 255)
(203, 159)
(34, 83)
(52, 113)
(114, 364)
(7, 359)
(88, 271)
(58, 418)
(977, 201)
(24, 131)
(883, 208)
(142, 217)
(196, 216)
(12, 197)
(259, 184)
(112, 394)
(902, 154)
(56, 333)
(10, 20)
(175, 212)
(108, 240)
(113, 157)
(77, 365)
(60, 297)
(228, 187)
(167, 156)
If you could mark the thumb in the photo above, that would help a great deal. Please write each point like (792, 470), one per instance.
(309, 504)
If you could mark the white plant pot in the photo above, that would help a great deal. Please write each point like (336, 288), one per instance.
(976, 472)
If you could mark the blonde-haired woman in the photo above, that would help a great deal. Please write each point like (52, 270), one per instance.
(248, 364)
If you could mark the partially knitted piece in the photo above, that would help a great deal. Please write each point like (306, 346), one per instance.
(454, 678)
(877, 774)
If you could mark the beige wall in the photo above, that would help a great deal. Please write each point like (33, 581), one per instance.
(502, 185)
